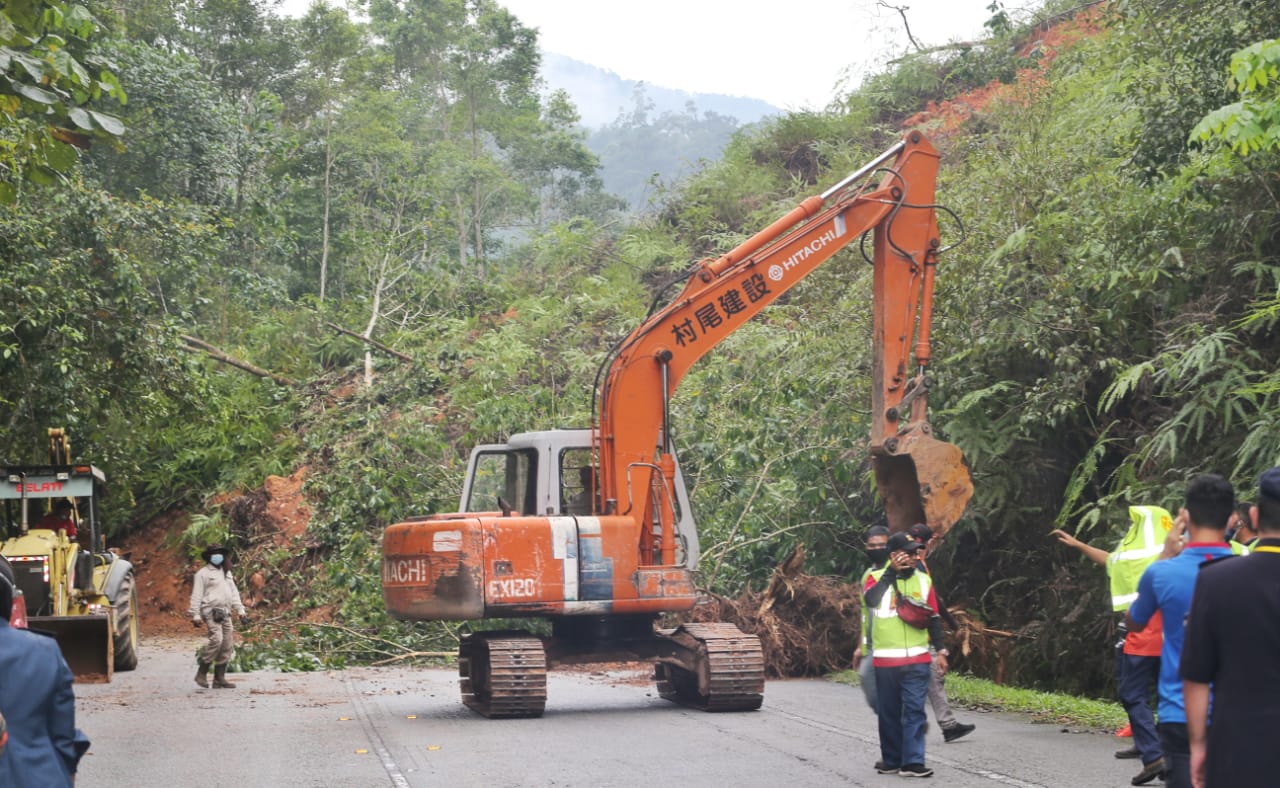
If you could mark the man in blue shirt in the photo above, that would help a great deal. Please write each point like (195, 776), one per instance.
(38, 703)
(1167, 586)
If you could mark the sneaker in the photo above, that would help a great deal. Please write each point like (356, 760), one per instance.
(915, 770)
(882, 769)
(1131, 752)
(1149, 772)
(957, 731)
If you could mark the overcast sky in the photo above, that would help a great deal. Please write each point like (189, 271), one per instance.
(791, 54)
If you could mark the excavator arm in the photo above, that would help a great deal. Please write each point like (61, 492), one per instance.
(920, 478)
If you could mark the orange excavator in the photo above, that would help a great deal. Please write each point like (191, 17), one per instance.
(592, 528)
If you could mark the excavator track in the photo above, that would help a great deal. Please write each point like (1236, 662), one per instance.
(503, 674)
(728, 670)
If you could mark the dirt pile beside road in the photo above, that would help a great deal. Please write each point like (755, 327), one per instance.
(273, 558)
(163, 574)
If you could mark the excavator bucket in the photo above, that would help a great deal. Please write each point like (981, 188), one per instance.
(86, 644)
(922, 480)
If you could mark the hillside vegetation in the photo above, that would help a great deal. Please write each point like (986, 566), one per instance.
(1107, 327)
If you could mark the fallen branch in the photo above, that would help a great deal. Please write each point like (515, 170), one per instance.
(200, 346)
(413, 655)
(368, 341)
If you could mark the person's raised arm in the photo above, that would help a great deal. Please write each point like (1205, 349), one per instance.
(1095, 554)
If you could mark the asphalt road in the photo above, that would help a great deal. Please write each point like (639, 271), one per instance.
(375, 727)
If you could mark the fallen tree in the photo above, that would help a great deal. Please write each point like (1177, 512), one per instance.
(809, 626)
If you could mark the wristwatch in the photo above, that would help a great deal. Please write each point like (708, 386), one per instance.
(946, 652)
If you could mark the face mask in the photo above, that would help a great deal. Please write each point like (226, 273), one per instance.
(902, 573)
(216, 560)
(878, 555)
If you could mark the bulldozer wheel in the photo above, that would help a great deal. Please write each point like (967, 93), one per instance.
(126, 634)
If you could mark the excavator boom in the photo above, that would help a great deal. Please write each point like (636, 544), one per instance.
(920, 478)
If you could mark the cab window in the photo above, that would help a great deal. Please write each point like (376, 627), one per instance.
(508, 475)
(578, 481)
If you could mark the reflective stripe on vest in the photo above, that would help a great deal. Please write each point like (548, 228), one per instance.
(1142, 544)
(899, 653)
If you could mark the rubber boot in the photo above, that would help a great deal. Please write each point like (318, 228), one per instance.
(202, 674)
(220, 678)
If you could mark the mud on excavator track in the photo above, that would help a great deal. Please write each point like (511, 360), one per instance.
(711, 667)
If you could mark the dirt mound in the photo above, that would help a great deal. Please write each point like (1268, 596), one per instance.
(163, 574)
(941, 119)
(268, 527)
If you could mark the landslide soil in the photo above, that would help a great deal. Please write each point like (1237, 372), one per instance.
(268, 527)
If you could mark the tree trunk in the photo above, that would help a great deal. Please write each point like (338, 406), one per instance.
(324, 228)
(374, 311)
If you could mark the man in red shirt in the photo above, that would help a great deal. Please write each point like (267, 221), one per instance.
(59, 519)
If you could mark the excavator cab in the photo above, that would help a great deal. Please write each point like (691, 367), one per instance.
(553, 473)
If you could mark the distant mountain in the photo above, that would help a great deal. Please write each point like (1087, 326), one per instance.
(601, 95)
(648, 137)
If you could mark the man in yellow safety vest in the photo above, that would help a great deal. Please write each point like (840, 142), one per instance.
(1150, 536)
(904, 623)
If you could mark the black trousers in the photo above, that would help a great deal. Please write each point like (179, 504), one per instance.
(1177, 754)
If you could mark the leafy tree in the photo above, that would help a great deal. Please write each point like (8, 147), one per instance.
(334, 54)
(472, 68)
(184, 131)
(1253, 123)
(49, 77)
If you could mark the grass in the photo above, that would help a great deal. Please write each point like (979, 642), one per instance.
(1046, 707)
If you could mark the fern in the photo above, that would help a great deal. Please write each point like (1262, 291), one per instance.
(1083, 475)
(1124, 385)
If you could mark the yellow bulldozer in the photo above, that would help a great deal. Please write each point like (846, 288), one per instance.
(74, 588)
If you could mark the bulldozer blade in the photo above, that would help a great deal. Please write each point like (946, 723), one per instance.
(922, 480)
(85, 642)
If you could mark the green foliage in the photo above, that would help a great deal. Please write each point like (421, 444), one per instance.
(205, 530)
(1251, 124)
(970, 692)
(1176, 55)
(49, 78)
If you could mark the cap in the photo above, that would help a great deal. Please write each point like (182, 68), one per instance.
(920, 532)
(214, 548)
(903, 542)
(1269, 484)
